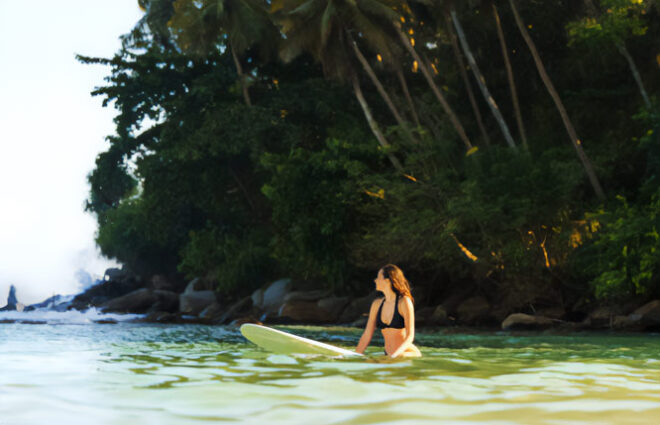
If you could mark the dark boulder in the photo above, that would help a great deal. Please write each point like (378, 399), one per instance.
(143, 300)
(104, 292)
(522, 321)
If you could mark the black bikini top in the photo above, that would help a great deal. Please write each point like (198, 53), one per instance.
(397, 319)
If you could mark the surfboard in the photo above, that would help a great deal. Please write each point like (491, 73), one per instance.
(285, 343)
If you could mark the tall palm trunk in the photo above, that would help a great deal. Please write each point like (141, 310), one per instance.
(635, 72)
(381, 90)
(577, 144)
(466, 80)
(427, 74)
(592, 11)
(373, 124)
(406, 92)
(481, 81)
(241, 76)
(509, 73)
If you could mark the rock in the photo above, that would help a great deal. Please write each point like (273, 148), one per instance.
(357, 308)
(474, 311)
(438, 316)
(162, 283)
(212, 312)
(162, 317)
(626, 322)
(104, 292)
(139, 301)
(552, 312)
(235, 310)
(602, 317)
(303, 311)
(314, 295)
(333, 306)
(54, 303)
(193, 302)
(422, 316)
(197, 284)
(11, 300)
(649, 314)
(20, 307)
(275, 293)
(522, 321)
(167, 301)
(106, 322)
(258, 298)
(115, 274)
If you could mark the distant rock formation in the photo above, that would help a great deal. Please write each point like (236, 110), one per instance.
(12, 301)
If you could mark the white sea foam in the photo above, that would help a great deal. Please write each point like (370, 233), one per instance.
(69, 317)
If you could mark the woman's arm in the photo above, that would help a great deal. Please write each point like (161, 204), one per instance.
(408, 312)
(369, 328)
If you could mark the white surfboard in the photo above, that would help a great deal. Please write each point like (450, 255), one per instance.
(286, 343)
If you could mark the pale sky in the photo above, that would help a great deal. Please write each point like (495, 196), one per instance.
(51, 130)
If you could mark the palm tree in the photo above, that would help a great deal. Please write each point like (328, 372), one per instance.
(466, 81)
(200, 25)
(481, 81)
(328, 29)
(577, 144)
(509, 73)
(408, 44)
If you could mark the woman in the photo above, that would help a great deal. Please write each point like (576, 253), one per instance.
(393, 314)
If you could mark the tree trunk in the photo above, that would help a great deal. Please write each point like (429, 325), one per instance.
(381, 89)
(406, 92)
(633, 68)
(466, 80)
(452, 116)
(481, 81)
(241, 76)
(373, 125)
(592, 11)
(509, 73)
(586, 163)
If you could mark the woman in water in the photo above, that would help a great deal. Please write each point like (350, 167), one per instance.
(394, 315)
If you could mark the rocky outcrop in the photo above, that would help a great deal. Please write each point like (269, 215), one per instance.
(522, 321)
(474, 311)
(273, 296)
(11, 300)
(649, 314)
(103, 292)
(142, 301)
(193, 301)
(438, 317)
(357, 308)
(326, 310)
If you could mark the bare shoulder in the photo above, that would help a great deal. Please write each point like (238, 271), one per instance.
(406, 303)
(376, 303)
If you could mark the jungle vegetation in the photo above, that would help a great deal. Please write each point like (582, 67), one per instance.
(508, 146)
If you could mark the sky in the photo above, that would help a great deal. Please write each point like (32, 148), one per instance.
(51, 131)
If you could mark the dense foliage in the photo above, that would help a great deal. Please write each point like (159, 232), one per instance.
(242, 152)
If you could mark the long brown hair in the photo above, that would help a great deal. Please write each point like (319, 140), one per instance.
(399, 282)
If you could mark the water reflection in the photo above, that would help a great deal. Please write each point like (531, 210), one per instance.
(184, 374)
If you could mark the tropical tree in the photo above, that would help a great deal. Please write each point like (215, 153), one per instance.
(509, 74)
(618, 21)
(200, 26)
(577, 143)
(326, 29)
(481, 80)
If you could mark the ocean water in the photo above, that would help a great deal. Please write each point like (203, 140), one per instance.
(70, 370)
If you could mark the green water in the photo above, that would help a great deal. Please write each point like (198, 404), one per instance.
(151, 374)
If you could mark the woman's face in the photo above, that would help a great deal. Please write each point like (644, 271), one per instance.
(381, 282)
